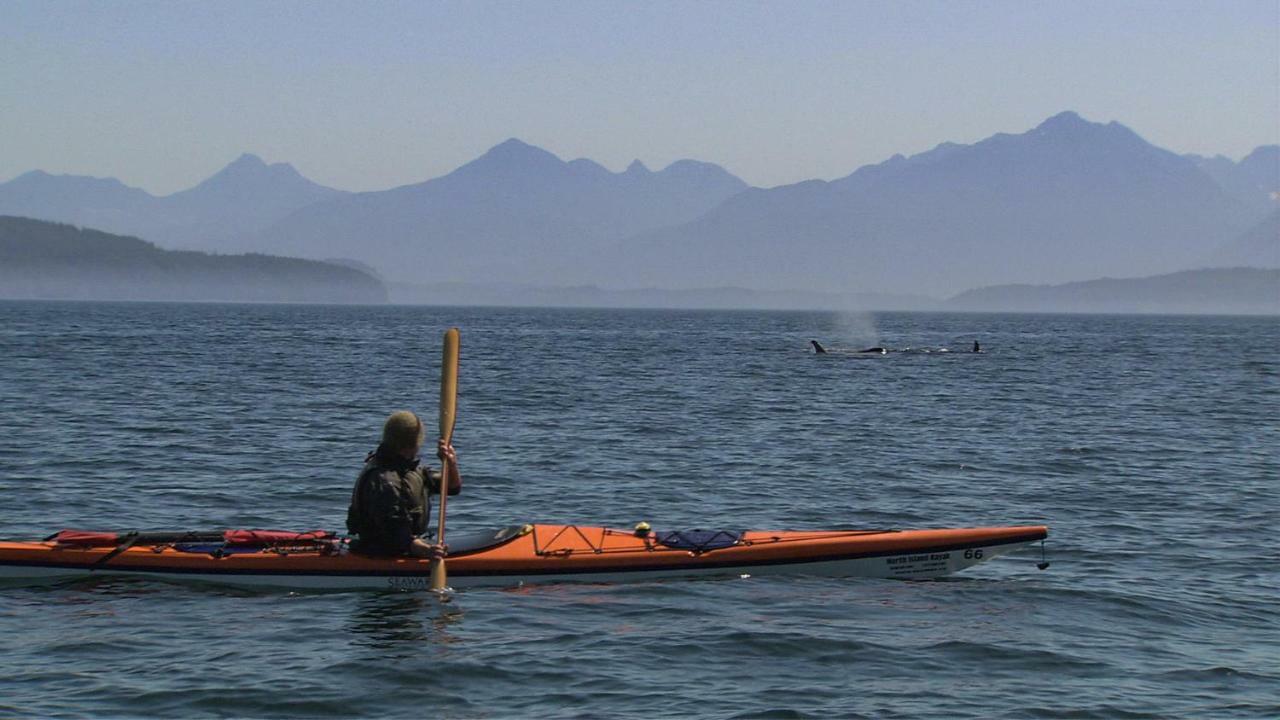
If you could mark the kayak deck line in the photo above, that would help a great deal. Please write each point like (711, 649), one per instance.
(536, 553)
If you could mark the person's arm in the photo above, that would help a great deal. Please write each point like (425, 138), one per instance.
(445, 451)
(423, 549)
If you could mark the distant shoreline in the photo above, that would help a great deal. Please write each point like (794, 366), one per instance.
(45, 261)
(54, 261)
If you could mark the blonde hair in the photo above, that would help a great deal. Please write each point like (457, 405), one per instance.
(403, 431)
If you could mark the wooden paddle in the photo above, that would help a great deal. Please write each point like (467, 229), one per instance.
(448, 410)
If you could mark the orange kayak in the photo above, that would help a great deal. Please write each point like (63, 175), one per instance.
(511, 556)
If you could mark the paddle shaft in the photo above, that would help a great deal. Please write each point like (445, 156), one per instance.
(448, 412)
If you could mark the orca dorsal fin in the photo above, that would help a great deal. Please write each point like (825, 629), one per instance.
(817, 348)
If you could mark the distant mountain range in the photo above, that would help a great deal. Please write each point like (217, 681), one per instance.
(516, 214)
(1067, 200)
(52, 261)
(239, 200)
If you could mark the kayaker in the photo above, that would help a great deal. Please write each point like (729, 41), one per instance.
(389, 505)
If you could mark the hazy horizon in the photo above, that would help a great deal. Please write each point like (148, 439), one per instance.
(372, 97)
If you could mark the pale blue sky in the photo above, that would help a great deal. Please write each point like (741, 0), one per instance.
(366, 96)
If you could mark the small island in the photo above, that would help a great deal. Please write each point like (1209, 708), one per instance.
(42, 260)
(1238, 290)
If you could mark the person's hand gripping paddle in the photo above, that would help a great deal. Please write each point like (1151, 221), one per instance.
(448, 410)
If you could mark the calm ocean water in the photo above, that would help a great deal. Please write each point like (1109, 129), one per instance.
(1150, 445)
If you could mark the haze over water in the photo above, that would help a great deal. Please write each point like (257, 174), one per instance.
(1149, 445)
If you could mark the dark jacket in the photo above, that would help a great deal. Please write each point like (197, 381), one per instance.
(389, 505)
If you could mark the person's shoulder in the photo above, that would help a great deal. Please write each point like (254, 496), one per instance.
(418, 475)
(377, 474)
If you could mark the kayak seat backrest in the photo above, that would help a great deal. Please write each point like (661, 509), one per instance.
(698, 540)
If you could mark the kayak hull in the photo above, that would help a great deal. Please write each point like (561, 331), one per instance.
(537, 554)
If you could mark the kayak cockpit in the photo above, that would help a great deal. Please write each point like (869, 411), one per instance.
(474, 542)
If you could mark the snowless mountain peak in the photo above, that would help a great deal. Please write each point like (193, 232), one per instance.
(1065, 121)
(516, 148)
(250, 165)
(248, 160)
(40, 176)
(516, 155)
(248, 175)
(1068, 125)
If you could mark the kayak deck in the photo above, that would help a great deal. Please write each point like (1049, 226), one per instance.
(526, 554)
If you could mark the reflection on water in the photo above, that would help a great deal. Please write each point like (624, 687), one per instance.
(403, 622)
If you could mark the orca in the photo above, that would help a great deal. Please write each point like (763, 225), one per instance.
(817, 348)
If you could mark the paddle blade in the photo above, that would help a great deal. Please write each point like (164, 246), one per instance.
(449, 384)
(439, 577)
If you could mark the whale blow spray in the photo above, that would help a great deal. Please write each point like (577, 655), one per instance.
(856, 328)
